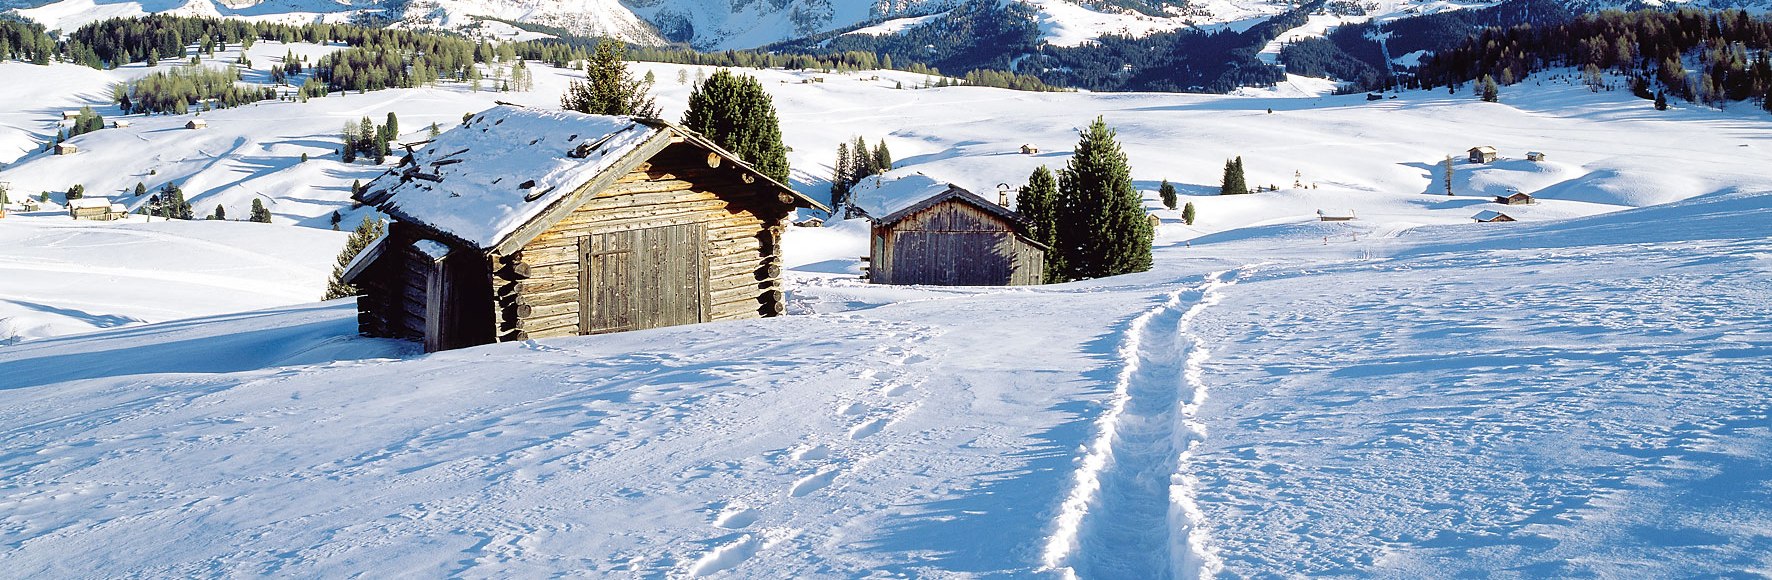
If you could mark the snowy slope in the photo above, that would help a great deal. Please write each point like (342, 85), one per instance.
(1408, 394)
(1572, 398)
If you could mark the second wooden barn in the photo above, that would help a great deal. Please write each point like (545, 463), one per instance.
(955, 238)
(527, 224)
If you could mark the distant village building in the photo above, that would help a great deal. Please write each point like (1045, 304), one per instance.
(70, 115)
(197, 124)
(119, 123)
(525, 223)
(1029, 150)
(66, 149)
(1483, 154)
(95, 208)
(1323, 216)
(955, 238)
(1515, 197)
(1490, 216)
(1534, 156)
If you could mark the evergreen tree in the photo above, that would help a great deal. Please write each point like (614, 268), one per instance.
(336, 218)
(608, 88)
(434, 131)
(1233, 183)
(1167, 191)
(1661, 100)
(220, 214)
(350, 141)
(1446, 174)
(392, 128)
(259, 213)
(76, 192)
(170, 203)
(1187, 213)
(882, 157)
(840, 178)
(1036, 203)
(367, 231)
(1490, 92)
(140, 189)
(1102, 227)
(735, 112)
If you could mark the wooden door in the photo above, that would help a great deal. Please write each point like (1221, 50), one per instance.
(644, 278)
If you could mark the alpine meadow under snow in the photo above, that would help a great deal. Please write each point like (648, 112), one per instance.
(1582, 392)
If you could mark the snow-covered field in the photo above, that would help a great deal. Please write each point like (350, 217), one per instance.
(1409, 394)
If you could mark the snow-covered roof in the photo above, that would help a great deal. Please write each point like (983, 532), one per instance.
(1487, 215)
(509, 165)
(432, 249)
(1483, 149)
(90, 203)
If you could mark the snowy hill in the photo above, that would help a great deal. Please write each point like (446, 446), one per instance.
(1409, 394)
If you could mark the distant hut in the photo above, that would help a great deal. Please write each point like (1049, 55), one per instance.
(93, 208)
(1534, 156)
(526, 224)
(811, 222)
(70, 115)
(119, 123)
(1156, 222)
(1483, 154)
(1029, 150)
(1490, 216)
(1515, 197)
(1323, 216)
(197, 124)
(955, 238)
(66, 149)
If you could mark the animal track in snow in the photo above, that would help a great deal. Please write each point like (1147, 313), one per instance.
(870, 427)
(736, 518)
(813, 453)
(727, 556)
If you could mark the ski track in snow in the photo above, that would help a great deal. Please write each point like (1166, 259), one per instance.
(1131, 513)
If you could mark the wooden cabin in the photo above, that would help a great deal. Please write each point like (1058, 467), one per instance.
(120, 123)
(1324, 216)
(1490, 216)
(95, 208)
(197, 124)
(1483, 154)
(1534, 156)
(955, 238)
(1515, 197)
(70, 115)
(66, 149)
(1029, 150)
(524, 223)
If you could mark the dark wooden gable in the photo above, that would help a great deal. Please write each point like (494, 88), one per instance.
(955, 239)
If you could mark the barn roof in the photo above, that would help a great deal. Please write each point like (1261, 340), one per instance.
(953, 192)
(1487, 215)
(508, 166)
(1483, 149)
(90, 203)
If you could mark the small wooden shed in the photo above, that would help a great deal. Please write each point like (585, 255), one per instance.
(93, 208)
(119, 123)
(196, 124)
(1483, 154)
(1515, 197)
(955, 238)
(1491, 216)
(66, 148)
(70, 115)
(1324, 216)
(1029, 150)
(1534, 156)
(524, 223)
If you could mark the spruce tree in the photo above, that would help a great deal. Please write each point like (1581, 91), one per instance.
(392, 128)
(349, 136)
(840, 178)
(259, 213)
(608, 89)
(1661, 100)
(76, 192)
(140, 189)
(1490, 92)
(1102, 228)
(735, 112)
(367, 231)
(1187, 213)
(882, 157)
(1167, 191)
(1036, 203)
(1233, 183)
(861, 163)
(220, 214)
(1446, 174)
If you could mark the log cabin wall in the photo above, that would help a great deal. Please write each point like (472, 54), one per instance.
(539, 290)
(954, 244)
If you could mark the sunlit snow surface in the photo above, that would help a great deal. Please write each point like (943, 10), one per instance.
(1408, 394)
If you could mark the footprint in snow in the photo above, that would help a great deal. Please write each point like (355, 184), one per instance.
(864, 430)
(814, 482)
(853, 408)
(727, 556)
(813, 453)
(736, 518)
